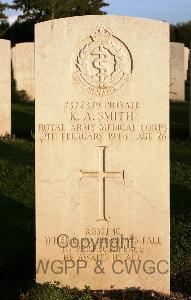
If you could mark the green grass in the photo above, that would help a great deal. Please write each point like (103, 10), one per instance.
(179, 119)
(17, 230)
(17, 215)
(181, 215)
(23, 120)
(180, 198)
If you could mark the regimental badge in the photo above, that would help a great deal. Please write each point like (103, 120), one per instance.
(103, 64)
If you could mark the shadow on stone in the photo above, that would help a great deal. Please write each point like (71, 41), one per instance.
(17, 248)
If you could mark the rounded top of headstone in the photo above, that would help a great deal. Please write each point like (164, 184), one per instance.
(3, 41)
(102, 17)
(177, 44)
(24, 44)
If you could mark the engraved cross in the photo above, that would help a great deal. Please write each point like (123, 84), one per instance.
(102, 175)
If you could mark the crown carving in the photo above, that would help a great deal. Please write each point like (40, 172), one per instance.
(102, 34)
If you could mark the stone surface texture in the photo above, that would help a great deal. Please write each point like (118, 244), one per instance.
(102, 152)
(5, 87)
(186, 61)
(177, 72)
(24, 67)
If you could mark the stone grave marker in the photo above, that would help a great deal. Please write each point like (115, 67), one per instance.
(102, 152)
(186, 61)
(5, 87)
(24, 67)
(177, 72)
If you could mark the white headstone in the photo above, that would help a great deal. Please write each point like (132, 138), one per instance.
(23, 68)
(102, 152)
(177, 72)
(186, 61)
(5, 87)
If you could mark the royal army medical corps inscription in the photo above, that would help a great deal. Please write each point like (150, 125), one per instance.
(102, 64)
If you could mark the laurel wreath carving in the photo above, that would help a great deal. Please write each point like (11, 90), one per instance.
(97, 73)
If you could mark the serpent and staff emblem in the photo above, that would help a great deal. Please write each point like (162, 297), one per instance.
(103, 64)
